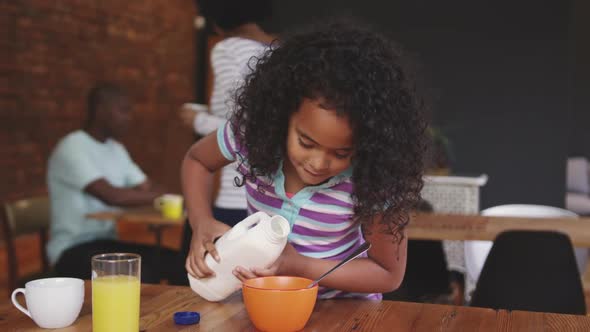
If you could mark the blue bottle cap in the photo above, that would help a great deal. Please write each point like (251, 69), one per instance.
(187, 317)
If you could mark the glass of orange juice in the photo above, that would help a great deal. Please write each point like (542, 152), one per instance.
(115, 292)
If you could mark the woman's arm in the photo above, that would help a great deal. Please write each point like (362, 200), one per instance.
(198, 167)
(226, 76)
(202, 122)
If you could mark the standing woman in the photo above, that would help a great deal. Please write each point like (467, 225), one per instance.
(231, 59)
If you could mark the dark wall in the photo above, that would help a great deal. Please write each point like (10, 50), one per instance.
(580, 144)
(498, 74)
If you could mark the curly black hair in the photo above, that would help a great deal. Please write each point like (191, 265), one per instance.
(230, 14)
(359, 73)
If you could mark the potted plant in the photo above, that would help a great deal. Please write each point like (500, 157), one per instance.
(439, 153)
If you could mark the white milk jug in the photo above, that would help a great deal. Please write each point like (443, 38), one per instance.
(256, 241)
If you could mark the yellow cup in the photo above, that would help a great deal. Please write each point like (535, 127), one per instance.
(170, 205)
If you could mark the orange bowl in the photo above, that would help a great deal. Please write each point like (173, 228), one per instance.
(280, 304)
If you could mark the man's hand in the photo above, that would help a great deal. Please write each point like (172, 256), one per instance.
(123, 197)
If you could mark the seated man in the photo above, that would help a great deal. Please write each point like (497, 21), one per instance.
(90, 171)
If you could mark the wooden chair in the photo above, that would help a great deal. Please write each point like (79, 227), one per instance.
(26, 216)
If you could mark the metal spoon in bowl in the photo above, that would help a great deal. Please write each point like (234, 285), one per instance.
(364, 247)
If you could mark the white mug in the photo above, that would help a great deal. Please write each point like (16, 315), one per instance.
(52, 302)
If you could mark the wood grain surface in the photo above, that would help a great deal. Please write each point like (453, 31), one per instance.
(159, 302)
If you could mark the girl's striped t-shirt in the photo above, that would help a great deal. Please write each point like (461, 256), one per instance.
(320, 216)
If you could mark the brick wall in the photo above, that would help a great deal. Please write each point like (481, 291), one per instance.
(51, 53)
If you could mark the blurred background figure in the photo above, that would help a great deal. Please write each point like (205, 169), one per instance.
(232, 58)
(90, 171)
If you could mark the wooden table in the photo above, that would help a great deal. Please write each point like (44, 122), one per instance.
(159, 302)
(423, 226)
(433, 226)
(144, 215)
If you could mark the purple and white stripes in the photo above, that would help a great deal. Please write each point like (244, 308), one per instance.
(320, 217)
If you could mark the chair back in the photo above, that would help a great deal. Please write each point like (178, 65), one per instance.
(533, 271)
(26, 216)
(476, 252)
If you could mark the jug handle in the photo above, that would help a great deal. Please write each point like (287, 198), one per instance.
(241, 227)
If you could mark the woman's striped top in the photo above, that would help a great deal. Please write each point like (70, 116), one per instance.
(231, 59)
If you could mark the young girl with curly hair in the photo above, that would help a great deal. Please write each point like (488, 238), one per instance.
(328, 133)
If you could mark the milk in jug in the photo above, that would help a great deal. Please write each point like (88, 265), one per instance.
(255, 242)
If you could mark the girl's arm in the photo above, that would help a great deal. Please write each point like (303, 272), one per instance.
(198, 167)
(382, 271)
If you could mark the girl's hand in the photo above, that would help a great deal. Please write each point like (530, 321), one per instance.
(284, 265)
(201, 244)
(244, 274)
